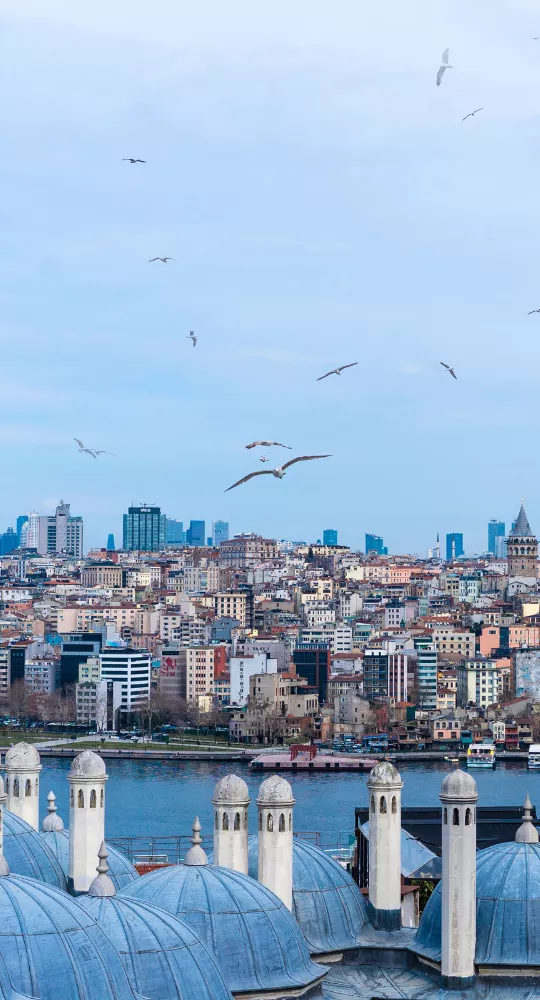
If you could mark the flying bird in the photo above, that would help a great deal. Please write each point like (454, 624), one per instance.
(163, 259)
(130, 159)
(191, 336)
(89, 451)
(472, 114)
(336, 371)
(263, 458)
(268, 444)
(444, 65)
(279, 472)
(533, 311)
(450, 370)
(102, 452)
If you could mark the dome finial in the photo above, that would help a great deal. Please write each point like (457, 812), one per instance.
(196, 855)
(527, 832)
(102, 885)
(52, 823)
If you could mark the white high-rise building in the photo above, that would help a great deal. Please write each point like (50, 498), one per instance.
(132, 669)
(30, 532)
(61, 534)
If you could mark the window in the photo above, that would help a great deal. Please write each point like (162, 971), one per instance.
(101, 798)
(445, 817)
(80, 799)
(93, 799)
(382, 804)
(290, 821)
(394, 805)
(372, 804)
(72, 798)
(28, 788)
(237, 821)
(455, 817)
(16, 787)
(225, 822)
(260, 821)
(282, 823)
(467, 817)
(270, 823)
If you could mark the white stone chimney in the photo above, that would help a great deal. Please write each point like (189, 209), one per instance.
(3, 800)
(231, 801)
(275, 804)
(87, 779)
(458, 937)
(384, 786)
(22, 768)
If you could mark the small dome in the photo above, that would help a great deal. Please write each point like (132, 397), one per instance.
(384, 773)
(52, 948)
(231, 789)
(21, 756)
(507, 909)
(527, 832)
(52, 823)
(196, 854)
(121, 871)
(27, 854)
(459, 785)
(253, 937)
(275, 791)
(327, 902)
(162, 957)
(87, 765)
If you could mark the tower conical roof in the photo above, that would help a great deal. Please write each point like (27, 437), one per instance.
(521, 525)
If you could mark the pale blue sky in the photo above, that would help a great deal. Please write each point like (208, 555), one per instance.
(325, 204)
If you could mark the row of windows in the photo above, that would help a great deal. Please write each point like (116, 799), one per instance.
(470, 816)
(27, 787)
(93, 798)
(383, 804)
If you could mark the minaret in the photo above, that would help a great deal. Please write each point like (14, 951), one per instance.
(458, 936)
(52, 823)
(275, 804)
(196, 854)
(3, 800)
(22, 768)
(384, 786)
(87, 779)
(231, 801)
(527, 832)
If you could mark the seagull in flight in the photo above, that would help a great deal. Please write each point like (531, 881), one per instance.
(102, 452)
(191, 336)
(444, 65)
(337, 371)
(450, 370)
(472, 114)
(279, 472)
(263, 458)
(268, 444)
(533, 311)
(89, 451)
(163, 259)
(130, 159)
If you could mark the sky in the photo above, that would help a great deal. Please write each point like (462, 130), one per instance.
(324, 203)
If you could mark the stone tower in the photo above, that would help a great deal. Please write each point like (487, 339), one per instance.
(87, 779)
(231, 801)
(458, 936)
(384, 786)
(522, 549)
(22, 768)
(275, 804)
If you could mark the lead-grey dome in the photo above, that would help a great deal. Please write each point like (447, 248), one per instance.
(384, 773)
(22, 755)
(459, 785)
(275, 791)
(231, 789)
(53, 949)
(28, 854)
(87, 765)
(162, 957)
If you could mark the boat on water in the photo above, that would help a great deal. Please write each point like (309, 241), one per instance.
(533, 759)
(481, 755)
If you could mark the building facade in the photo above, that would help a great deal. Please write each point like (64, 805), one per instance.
(132, 668)
(58, 535)
(496, 529)
(220, 532)
(144, 529)
(522, 550)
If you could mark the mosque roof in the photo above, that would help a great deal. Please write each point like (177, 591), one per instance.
(254, 938)
(52, 948)
(384, 773)
(27, 853)
(327, 903)
(161, 955)
(521, 526)
(275, 791)
(121, 870)
(87, 765)
(507, 908)
(22, 755)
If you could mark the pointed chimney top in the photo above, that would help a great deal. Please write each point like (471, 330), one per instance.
(527, 832)
(196, 855)
(52, 822)
(103, 884)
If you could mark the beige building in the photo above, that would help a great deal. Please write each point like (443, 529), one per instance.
(283, 693)
(187, 673)
(102, 574)
(448, 640)
(234, 604)
(244, 551)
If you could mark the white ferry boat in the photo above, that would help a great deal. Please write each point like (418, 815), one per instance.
(481, 755)
(533, 760)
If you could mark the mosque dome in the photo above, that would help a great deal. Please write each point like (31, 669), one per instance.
(384, 773)
(162, 957)
(327, 903)
(87, 765)
(459, 784)
(121, 870)
(52, 948)
(254, 938)
(274, 791)
(22, 755)
(507, 909)
(232, 789)
(28, 854)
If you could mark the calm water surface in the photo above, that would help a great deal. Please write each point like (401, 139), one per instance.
(147, 798)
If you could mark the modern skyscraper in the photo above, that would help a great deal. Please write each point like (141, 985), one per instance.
(220, 532)
(175, 532)
(110, 543)
(329, 536)
(312, 661)
(374, 543)
(8, 542)
(59, 535)
(496, 529)
(21, 521)
(31, 530)
(196, 533)
(454, 545)
(144, 529)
